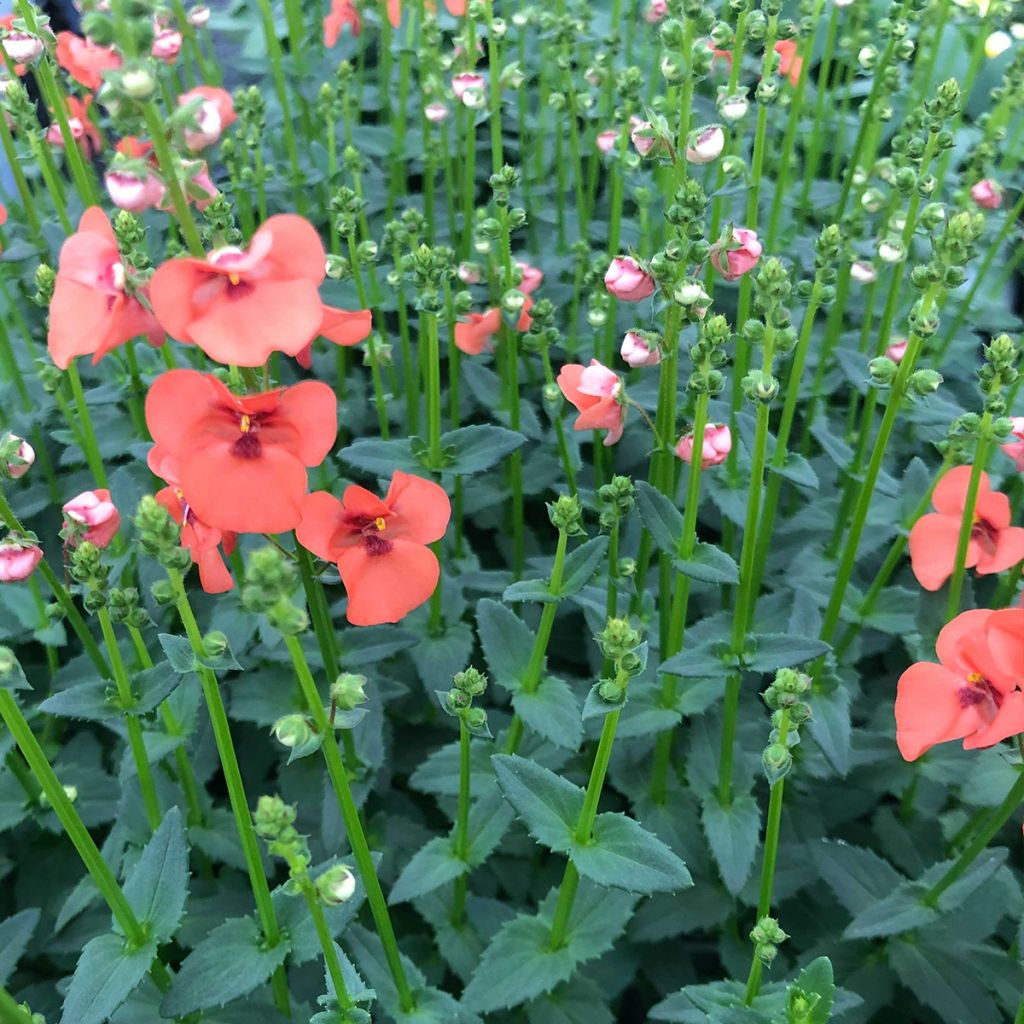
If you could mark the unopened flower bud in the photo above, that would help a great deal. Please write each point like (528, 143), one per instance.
(348, 691)
(883, 371)
(925, 382)
(292, 731)
(335, 886)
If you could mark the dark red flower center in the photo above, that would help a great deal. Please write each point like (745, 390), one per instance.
(979, 690)
(248, 445)
(985, 534)
(372, 529)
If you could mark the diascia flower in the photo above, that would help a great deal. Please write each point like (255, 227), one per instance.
(202, 542)
(993, 547)
(91, 313)
(342, 13)
(973, 694)
(737, 254)
(473, 335)
(239, 305)
(790, 62)
(215, 111)
(83, 60)
(92, 517)
(83, 131)
(1015, 448)
(597, 393)
(241, 459)
(19, 557)
(379, 545)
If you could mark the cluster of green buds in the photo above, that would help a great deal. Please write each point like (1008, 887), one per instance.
(270, 582)
(85, 563)
(767, 936)
(130, 233)
(998, 372)
(160, 536)
(21, 111)
(458, 701)
(787, 697)
(429, 268)
(542, 333)
(346, 206)
(502, 185)
(772, 289)
(683, 53)
(623, 646)
(617, 498)
(566, 515)
(708, 355)
(251, 108)
(124, 606)
(218, 224)
(45, 282)
(299, 733)
(274, 821)
(827, 247)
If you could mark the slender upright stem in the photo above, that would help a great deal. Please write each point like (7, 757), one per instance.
(88, 434)
(967, 522)
(323, 934)
(460, 837)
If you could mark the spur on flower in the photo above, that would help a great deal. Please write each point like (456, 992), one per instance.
(597, 393)
(973, 693)
(91, 311)
(240, 305)
(241, 459)
(994, 545)
(379, 544)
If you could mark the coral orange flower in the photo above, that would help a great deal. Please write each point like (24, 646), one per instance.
(790, 62)
(342, 13)
(83, 60)
(91, 312)
(3, 220)
(973, 694)
(201, 541)
(474, 334)
(239, 305)
(215, 111)
(994, 545)
(379, 545)
(456, 8)
(86, 135)
(342, 326)
(241, 459)
(597, 392)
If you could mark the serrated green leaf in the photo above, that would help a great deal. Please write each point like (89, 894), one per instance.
(858, 877)
(773, 651)
(85, 701)
(581, 565)
(546, 803)
(15, 934)
(479, 447)
(939, 980)
(229, 963)
(698, 662)
(709, 564)
(732, 832)
(662, 520)
(530, 590)
(157, 885)
(432, 865)
(506, 640)
(552, 710)
(577, 1001)
(595, 706)
(374, 455)
(809, 999)
(105, 976)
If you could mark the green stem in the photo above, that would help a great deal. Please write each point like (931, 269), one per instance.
(371, 345)
(433, 391)
(460, 838)
(88, 435)
(353, 827)
(967, 522)
(11, 1011)
(169, 171)
(323, 933)
(817, 132)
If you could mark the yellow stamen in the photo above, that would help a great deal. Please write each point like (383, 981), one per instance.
(975, 677)
(245, 424)
(234, 278)
(379, 522)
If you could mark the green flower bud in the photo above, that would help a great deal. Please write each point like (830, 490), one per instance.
(215, 643)
(292, 731)
(273, 817)
(925, 382)
(471, 681)
(348, 691)
(336, 885)
(566, 514)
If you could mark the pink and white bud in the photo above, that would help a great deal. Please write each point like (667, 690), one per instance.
(897, 350)
(655, 11)
(470, 89)
(607, 140)
(715, 449)
(166, 45)
(198, 16)
(55, 137)
(646, 139)
(987, 194)
(638, 350)
(732, 108)
(469, 273)
(1015, 448)
(21, 459)
(18, 560)
(209, 125)
(92, 516)
(435, 112)
(736, 255)
(705, 145)
(599, 382)
(627, 280)
(22, 47)
(532, 277)
(131, 192)
(863, 273)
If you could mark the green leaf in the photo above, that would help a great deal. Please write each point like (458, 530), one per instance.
(86, 701)
(519, 964)
(577, 1001)
(546, 803)
(703, 661)
(229, 963)
(506, 640)
(381, 457)
(662, 520)
(796, 469)
(552, 710)
(709, 565)
(940, 981)
(530, 590)
(479, 447)
(106, 974)
(581, 565)
(183, 659)
(830, 725)
(809, 998)
(595, 706)
(899, 911)
(773, 651)
(732, 832)
(858, 877)
(431, 866)
(152, 686)
(624, 855)
(15, 934)
(157, 885)
(438, 658)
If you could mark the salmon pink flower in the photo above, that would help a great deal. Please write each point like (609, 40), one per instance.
(239, 305)
(627, 280)
(714, 450)
(532, 277)
(342, 13)
(597, 393)
(215, 111)
(83, 60)
(132, 191)
(456, 8)
(202, 542)
(19, 557)
(994, 545)
(973, 693)
(241, 459)
(379, 545)
(83, 131)
(640, 349)
(166, 45)
(987, 194)
(705, 145)
(469, 88)
(90, 312)
(20, 455)
(607, 140)
(91, 517)
(736, 254)
(473, 335)
(341, 326)
(790, 62)
(1015, 448)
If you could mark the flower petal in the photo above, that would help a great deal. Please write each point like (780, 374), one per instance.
(933, 540)
(928, 709)
(386, 587)
(1009, 550)
(322, 514)
(311, 407)
(422, 505)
